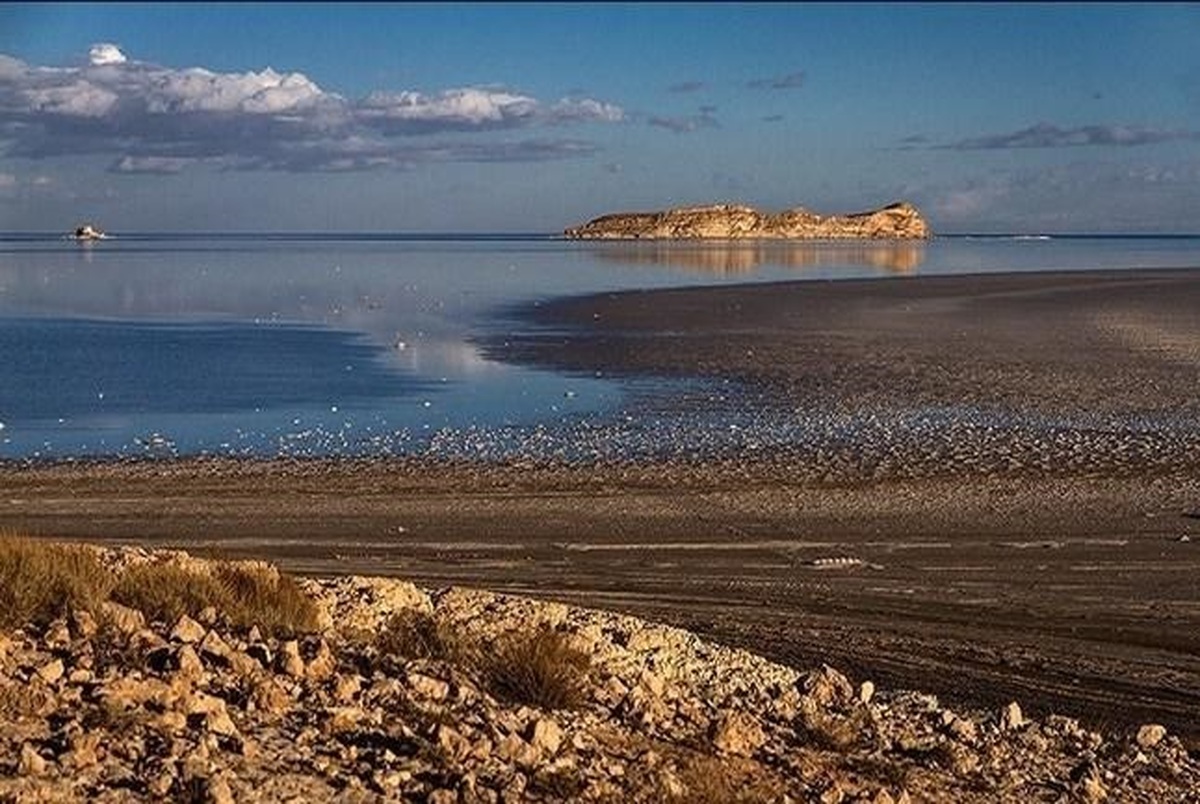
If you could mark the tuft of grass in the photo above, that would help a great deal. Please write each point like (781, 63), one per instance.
(40, 581)
(709, 780)
(536, 669)
(413, 634)
(245, 595)
(261, 596)
(166, 591)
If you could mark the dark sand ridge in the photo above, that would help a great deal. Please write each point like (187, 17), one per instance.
(1038, 538)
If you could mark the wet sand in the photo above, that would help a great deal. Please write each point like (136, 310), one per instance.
(999, 498)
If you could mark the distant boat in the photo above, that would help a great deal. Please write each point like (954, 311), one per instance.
(89, 232)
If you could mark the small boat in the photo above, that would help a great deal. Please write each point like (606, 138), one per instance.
(89, 232)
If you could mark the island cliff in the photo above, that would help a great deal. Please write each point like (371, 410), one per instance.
(734, 221)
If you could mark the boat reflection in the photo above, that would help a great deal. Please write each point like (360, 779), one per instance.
(741, 256)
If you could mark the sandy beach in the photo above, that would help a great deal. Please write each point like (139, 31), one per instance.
(999, 498)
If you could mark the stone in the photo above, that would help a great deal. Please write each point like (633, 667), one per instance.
(217, 792)
(83, 624)
(452, 742)
(51, 671)
(288, 661)
(30, 762)
(866, 691)
(124, 619)
(546, 736)
(323, 664)
(187, 630)
(57, 634)
(428, 687)
(346, 687)
(1150, 735)
(827, 686)
(187, 662)
(963, 729)
(1011, 717)
(512, 748)
(738, 733)
(442, 796)
(211, 713)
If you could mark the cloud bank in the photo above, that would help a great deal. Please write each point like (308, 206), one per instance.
(789, 81)
(155, 119)
(1045, 135)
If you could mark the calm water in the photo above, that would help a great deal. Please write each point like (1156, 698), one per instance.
(362, 345)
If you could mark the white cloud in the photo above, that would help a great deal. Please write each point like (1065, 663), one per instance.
(155, 119)
(105, 53)
(470, 106)
(80, 99)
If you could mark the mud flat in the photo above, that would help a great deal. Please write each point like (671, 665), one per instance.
(990, 489)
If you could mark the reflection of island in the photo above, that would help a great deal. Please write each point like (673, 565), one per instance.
(734, 257)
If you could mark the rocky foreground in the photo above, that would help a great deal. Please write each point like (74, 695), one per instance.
(899, 221)
(105, 706)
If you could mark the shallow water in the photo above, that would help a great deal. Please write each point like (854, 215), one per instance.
(364, 344)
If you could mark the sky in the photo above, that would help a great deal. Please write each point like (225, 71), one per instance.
(498, 117)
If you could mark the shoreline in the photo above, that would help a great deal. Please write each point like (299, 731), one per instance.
(1048, 557)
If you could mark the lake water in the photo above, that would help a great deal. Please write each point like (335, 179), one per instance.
(363, 345)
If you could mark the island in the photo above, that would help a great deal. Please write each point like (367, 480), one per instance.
(898, 221)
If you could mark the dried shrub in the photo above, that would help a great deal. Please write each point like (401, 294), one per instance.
(414, 634)
(271, 600)
(40, 581)
(166, 591)
(536, 669)
(709, 780)
(244, 595)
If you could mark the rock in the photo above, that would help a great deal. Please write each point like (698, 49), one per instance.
(866, 691)
(187, 662)
(124, 619)
(1011, 717)
(738, 733)
(512, 748)
(827, 686)
(30, 762)
(346, 687)
(452, 742)
(546, 736)
(1150, 735)
(211, 713)
(57, 634)
(963, 729)
(901, 220)
(323, 664)
(51, 671)
(288, 661)
(83, 624)
(428, 687)
(442, 796)
(217, 792)
(187, 630)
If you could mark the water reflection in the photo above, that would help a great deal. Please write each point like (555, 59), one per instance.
(742, 256)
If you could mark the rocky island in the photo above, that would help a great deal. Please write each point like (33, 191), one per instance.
(898, 221)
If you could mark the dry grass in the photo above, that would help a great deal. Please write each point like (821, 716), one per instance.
(536, 669)
(271, 600)
(165, 592)
(40, 581)
(413, 634)
(245, 596)
(709, 780)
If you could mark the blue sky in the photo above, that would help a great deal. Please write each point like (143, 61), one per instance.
(507, 117)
